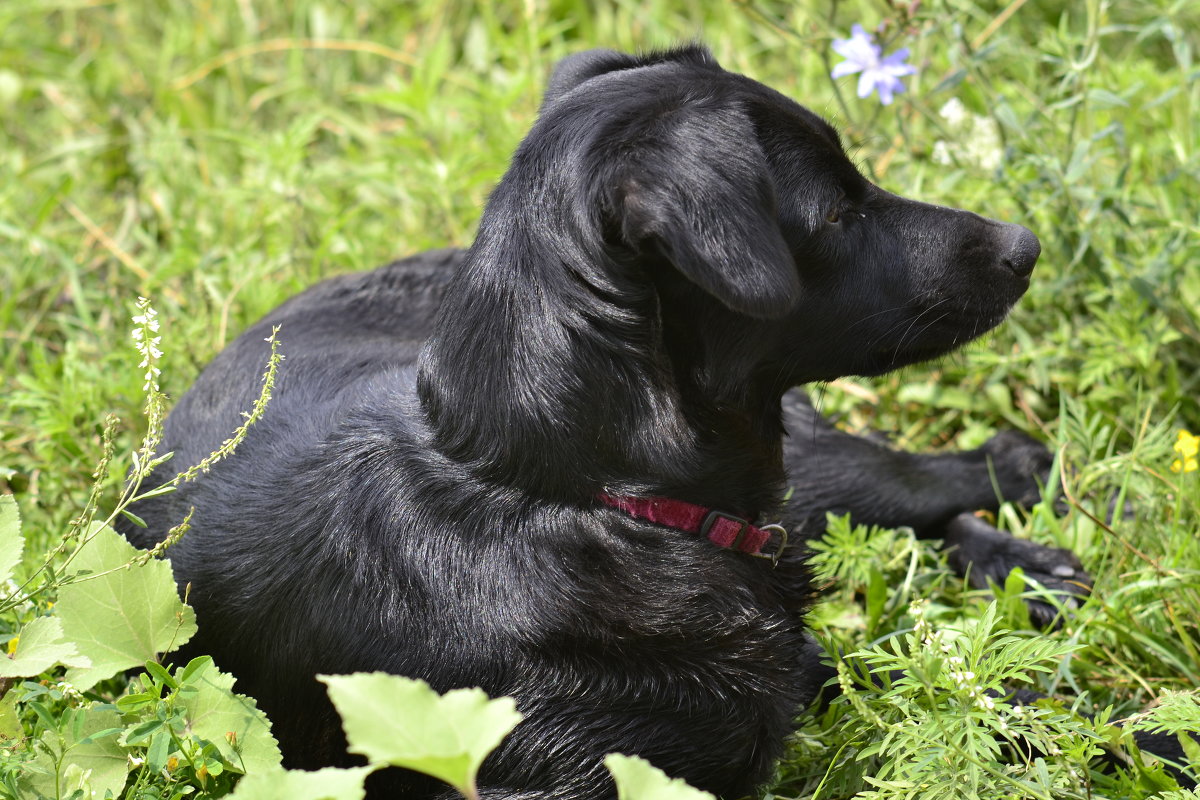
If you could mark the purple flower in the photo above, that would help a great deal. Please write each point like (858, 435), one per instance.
(863, 55)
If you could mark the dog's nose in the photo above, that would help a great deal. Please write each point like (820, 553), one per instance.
(1022, 251)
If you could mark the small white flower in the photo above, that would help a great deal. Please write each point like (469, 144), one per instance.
(146, 323)
(69, 691)
(962, 677)
(976, 139)
(954, 112)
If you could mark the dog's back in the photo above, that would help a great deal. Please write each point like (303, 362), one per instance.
(333, 335)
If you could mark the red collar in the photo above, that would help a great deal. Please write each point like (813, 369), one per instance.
(720, 528)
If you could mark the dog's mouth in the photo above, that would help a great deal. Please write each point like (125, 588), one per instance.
(928, 340)
(884, 361)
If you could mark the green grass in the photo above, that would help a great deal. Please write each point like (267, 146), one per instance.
(217, 156)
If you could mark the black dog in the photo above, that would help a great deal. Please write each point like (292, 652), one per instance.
(458, 474)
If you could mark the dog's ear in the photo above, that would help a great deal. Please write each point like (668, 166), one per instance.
(575, 69)
(698, 188)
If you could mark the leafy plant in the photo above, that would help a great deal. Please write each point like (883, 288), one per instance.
(185, 729)
(403, 723)
(638, 779)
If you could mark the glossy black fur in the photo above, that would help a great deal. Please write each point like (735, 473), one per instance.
(920, 490)
(672, 248)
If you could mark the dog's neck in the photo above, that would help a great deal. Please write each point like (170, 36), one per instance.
(565, 381)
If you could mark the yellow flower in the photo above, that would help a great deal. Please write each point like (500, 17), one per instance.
(1188, 447)
(12, 644)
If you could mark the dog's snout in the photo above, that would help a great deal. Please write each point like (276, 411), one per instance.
(1022, 251)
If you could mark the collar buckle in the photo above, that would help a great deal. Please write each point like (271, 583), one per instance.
(783, 543)
(727, 530)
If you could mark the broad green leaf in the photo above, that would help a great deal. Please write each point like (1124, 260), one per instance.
(936, 396)
(403, 722)
(70, 762)
(41, 645)
(10, 719)
(159, 749)
(323, 784)
(230, 721)
(638, 779)
(123, 616)
(159, 673)
(10, 536)
(877, 594)
(1190, 748)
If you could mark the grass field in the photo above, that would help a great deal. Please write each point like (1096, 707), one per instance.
(216, 156)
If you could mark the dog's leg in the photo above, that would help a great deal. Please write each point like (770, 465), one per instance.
(834, 471)
(935, 495)
(985, 554)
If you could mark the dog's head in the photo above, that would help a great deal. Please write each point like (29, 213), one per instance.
(713, 183)
(672, 247)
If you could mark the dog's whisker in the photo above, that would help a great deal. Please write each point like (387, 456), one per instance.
(916, 300)
(928, 325)
(908, 322)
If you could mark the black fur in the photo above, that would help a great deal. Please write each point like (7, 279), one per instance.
(672, 248)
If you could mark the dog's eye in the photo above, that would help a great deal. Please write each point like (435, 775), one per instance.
(834, 214)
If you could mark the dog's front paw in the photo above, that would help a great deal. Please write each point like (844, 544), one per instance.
(983, 553)
(1021, 464)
